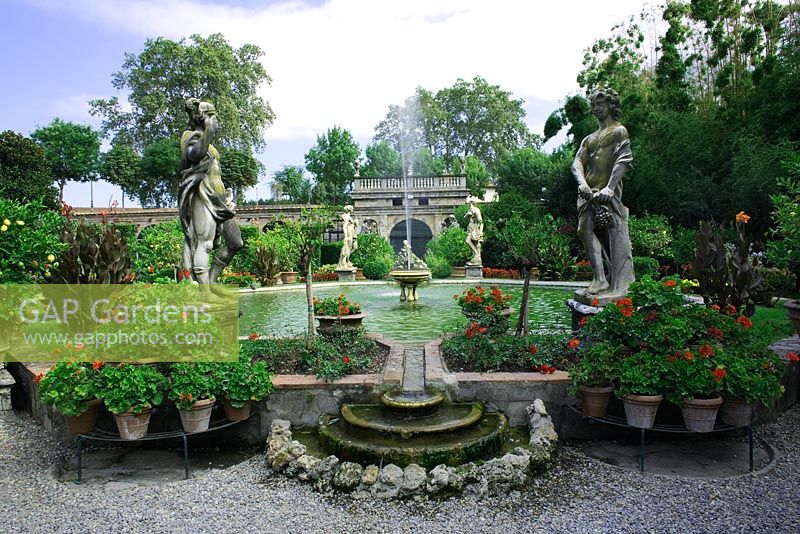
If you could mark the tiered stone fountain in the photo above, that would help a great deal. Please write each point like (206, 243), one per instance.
(414, 425)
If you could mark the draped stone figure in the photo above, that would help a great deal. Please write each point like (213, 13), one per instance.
(474, 232)
(600, 163)
(349, 243)
(205, 206)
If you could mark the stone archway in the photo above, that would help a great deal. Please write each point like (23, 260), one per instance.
(420, 235)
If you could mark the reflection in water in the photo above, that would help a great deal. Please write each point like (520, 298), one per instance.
(284, 312)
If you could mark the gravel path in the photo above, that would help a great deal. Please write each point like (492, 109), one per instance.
(578, 495)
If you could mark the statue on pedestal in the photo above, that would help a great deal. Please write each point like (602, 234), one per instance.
(600, 163)
(474, 231)
(205, 206)
(349, 243)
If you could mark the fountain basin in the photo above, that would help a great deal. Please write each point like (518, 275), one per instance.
(447, 418)
(481, 440)
(408, 403)
(409, 279)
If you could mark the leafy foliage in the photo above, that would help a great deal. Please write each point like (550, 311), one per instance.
(331, 162)
(160, 78)
(243, 380)
(191, 382)
(160, 169)
(336, 306)
(291, 184)
(372, 247)
(452, 246)
(382, 160)
(29, 242)
(69, 386)
(131, 388)
(25, 174)
(95, 254)
(72, 150)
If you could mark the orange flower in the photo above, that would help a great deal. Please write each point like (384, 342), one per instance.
(742, 217)
(151, 269)
(482, 330)
(719, 374)
(595, 302)
(714, 307)
(793, 357)
(533, 349)
(253, 336)
(574, 343)
(583, 321)
(345, 359)
(97, 365)
(744, 321)
(469, 333)
(627, 312)
(38, 378)
(689, 356)
(715, 332)
(547, 369)
(730, 309)
(670, 283)
(705, 351)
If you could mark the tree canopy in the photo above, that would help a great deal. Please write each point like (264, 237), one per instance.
(291, 184)
(25, 174)
(331, 162)
(72, 151)
(161, 77)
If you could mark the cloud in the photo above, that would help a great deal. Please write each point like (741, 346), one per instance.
(343, 62)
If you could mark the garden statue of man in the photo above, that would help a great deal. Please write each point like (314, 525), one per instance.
(474, 231)
(599, 166)
(349, 243)
(205, 206)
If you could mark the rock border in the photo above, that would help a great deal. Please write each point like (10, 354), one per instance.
(475, 479)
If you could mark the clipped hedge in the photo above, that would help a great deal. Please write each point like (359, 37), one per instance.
(329, 252)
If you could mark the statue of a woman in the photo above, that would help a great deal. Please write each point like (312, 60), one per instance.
(349, 243)
(474, 232)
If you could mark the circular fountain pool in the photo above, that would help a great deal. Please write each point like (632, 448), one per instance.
(283, 312)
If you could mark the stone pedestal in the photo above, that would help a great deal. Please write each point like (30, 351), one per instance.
(474, 271)
(346, 275)
(6, 381)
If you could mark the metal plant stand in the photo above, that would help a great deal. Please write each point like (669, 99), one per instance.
(105, 435)
(616, 420)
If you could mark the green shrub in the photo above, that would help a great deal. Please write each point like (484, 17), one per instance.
(452, 246)
(439, 267)
(651, 236)
(158, 251)
(557, 261)
(645, 266)
(26, 249)
(370, 247)
(245, 259)
(775, 283)
(683, 246)
(377, 268)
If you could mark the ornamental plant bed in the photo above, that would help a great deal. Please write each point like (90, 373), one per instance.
(330, 357)
(474, 350)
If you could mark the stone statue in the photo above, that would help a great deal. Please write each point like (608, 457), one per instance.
(599, 166)
(205, 206)
(406, 259)
(369, 226)
(449, 222)
(474, 231)
(349, 243)
(356, 169)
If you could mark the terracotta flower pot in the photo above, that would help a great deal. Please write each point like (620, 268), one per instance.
(133, 425)
(640, 410)
(360, 274)
(198, 417)
(84, 423)
(331, 325)
(736, 412)
(699, 415)
(458, 272)
(289, 277)
(793, 309)
(236, 414)
(594, 400)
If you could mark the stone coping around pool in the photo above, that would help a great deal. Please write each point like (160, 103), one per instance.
(570, 284)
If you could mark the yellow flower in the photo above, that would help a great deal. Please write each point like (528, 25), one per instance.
(3, 228)
(742, 217)
(6, 222)
(50, 257)
(21, 223)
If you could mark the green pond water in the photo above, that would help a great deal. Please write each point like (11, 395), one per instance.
(281, 313)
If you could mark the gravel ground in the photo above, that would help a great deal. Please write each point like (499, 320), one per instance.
(578, 495)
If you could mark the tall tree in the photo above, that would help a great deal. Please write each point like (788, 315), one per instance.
(240, 170)
(291, 183)
(72, 151)
(382, 160)
(161, 166)
(24, 171)
(331, 162)
(160, 78)
(525, 171)
(121, 166)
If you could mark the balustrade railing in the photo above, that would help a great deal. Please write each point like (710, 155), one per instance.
(415, 183)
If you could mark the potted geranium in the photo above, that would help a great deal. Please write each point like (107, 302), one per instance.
(753, 376)
(192, 388)
(71, 387)
(593, 378)
(337, 314)
(130, 392)
(487, 308)
(641, 383)
(239, 384)
(695, 381)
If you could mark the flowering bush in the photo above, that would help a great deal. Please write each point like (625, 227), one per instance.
(191, 382)
(242, 380)
(510, 274)
(597, 367)
(475, 350)
(489, 310)
(29, 245)
(237, 279)
(752, 376)
(336, 306)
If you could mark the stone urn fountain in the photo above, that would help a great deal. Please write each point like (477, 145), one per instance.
(409, 271)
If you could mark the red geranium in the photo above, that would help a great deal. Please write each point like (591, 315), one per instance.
(574, 343)
(744, 321)
(719, 374)
(345, 359)
(533, 349)
(793, 357)
(705, 351)
(253, 336)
